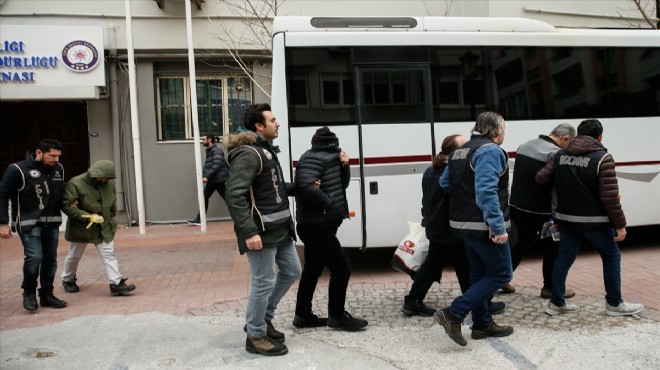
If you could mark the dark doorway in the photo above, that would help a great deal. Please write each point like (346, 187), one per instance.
(25, 123)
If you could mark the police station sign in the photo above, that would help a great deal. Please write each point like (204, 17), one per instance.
(51, 62)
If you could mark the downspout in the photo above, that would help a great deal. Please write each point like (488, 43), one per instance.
(114, 112)
(195, 118)
(135, 122)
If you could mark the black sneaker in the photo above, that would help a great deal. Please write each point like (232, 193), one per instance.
(71, 286)
(493, 331)
(415, 308)
(49, 300)
(347, 322)
(496, 307)
(122, 288)
(30, 301)
(265, 345)
(451, 325)
(195, 221)
(309, 322)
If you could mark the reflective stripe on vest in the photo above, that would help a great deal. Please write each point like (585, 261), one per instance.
(277, 216)
(41, 219)
(581, 219)
(480, 226)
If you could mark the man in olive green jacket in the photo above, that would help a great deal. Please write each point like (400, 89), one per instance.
(90, 203)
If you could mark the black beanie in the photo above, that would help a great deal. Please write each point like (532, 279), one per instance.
(324, 137)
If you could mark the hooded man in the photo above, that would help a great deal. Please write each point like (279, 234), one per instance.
(322, 176)
(90, 202)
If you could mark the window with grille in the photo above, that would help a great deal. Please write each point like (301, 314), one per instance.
(221, 103)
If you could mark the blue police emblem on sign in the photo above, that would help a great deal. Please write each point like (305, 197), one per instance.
(80, 56)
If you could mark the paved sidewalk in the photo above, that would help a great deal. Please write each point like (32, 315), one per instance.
(192, 287)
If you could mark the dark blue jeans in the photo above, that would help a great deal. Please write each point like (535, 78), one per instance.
(603, 241)
(490, 270)
(40, 249)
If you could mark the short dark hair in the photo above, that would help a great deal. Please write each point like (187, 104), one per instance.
(255, 114)
(213, 138)
(590, 127)
(46, 145)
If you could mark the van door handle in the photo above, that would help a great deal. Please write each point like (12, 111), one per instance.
(373, 187)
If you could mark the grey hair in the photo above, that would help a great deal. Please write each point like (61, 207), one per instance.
(488, 124)
(564, 129)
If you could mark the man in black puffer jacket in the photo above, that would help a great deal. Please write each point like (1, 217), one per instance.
(321, 208)
(214, 173)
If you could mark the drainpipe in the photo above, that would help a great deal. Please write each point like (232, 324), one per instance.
(135, 122)
(114, 112)
(195, 119)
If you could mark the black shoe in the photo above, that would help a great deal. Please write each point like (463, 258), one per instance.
(309, 322)
(451, 325)
(265, 345)
(71, 286)
(496, 307)
(493, 331)
(121, 288)
(49, 300)
(195, 221)
(30, 301)
(347, 322)
(415, 308)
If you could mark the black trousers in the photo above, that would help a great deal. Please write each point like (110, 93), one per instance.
(209, 189)
(526, 230)
(322, 249)
(431, 269)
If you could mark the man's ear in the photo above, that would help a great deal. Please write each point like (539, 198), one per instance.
(600, 138)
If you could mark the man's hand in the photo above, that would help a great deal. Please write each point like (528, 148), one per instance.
(5, 231)
(500, 239)
(343, 158)
(254, 243)
(620, 234)
(94, 219)
(205, 179)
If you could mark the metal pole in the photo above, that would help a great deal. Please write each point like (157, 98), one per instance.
(135, 123)
(195, 118)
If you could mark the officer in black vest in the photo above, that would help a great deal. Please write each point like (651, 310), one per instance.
(588, 207)
(35, 187)
(257, 199)
(477, 180)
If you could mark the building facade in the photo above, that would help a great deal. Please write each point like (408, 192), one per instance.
(64, 74)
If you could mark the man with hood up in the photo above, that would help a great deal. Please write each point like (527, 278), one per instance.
(321, 209)
(90, 202)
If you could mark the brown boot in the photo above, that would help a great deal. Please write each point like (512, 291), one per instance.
(265, 345)
(451, 324)
(493, 331)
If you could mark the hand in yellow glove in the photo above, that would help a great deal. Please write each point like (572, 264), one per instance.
(94, 219)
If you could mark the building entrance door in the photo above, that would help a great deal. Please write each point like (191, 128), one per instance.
(25, 123)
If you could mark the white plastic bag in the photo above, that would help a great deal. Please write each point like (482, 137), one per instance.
(412, 250)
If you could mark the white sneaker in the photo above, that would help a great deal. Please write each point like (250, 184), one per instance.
(552, 310)
(624, 309)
